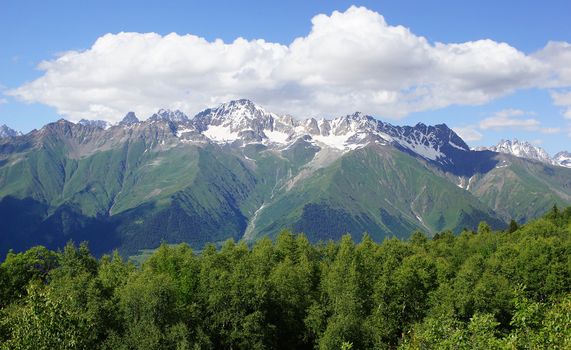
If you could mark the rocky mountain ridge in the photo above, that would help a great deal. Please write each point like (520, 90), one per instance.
(527, 150)
(243, 122)
(238, 171)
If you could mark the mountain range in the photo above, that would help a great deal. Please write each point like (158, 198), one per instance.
(527, 150)
(239, 171)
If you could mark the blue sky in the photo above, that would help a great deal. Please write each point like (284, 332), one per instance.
(483, 108)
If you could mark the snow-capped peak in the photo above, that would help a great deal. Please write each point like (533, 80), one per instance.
(5, 131)
(525, 149)
(245, 121)
(169, 116)
(563, 158)
(241, 115)
(241, 109)
(240, 119)
(521, 149)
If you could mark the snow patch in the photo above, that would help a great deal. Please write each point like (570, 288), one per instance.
(422, 150)
(276, 136)
(182, 131)
(470, 182)
(337, 141)
(455, 146)
(219, 133)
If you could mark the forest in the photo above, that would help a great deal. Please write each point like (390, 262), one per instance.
(480, 289)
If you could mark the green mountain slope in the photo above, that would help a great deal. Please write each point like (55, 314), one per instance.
(133, 186)
(521, 189)
(376, 189)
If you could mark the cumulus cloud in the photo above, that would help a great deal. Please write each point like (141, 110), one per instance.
(509, 118)
(563, 99)
(352, 60)
(557, 54)
(505, 119)
(513, 119)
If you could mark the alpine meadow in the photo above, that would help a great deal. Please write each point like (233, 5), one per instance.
(333, 175)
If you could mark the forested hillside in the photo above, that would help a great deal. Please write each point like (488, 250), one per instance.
(477, 290)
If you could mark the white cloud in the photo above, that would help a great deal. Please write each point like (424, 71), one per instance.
(468, 133)
(513, 119)
(509, 118)
(3, 101)
(349, 61)
(143, 72)
(563, 99)
(557, 54)
(511, 112)
(549, 130)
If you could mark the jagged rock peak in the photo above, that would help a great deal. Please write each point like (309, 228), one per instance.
(170, 116)
(444, 134)
(129, 119)
(240, 109)
(236, 116)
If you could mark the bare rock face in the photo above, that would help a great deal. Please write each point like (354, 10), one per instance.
(129, 119)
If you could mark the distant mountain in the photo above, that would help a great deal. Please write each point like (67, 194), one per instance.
(239, 171)
(129, 119)
(6, 132)
(527, 150)
(522, 149)
(563, 159)
(102, 124)
(169, 116)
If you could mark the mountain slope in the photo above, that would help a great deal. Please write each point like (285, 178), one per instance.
(376, 189)
(238, 171)
(521, 189)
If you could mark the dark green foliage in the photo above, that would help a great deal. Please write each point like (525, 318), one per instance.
(479, 290)
(513, 226)
(20, 269)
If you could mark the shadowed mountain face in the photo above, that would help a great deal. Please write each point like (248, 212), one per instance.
(238, 171)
